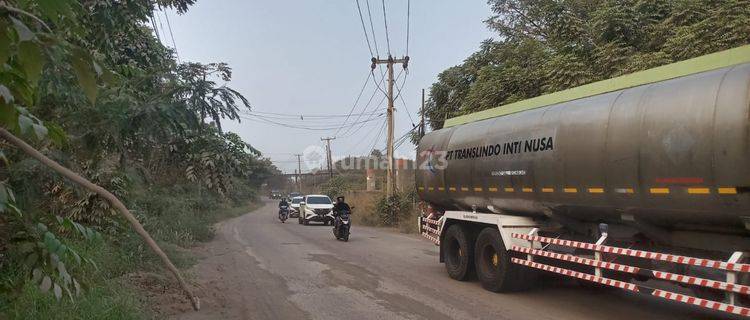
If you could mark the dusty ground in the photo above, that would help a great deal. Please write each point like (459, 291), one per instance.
(258, 268)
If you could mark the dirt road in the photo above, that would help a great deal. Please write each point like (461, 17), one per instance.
(259, 268)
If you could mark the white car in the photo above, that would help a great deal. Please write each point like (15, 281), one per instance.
(318, 208)
(295, 206)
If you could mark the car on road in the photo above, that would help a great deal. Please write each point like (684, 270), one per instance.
(275, 194)
(295, 206)
(318, 208)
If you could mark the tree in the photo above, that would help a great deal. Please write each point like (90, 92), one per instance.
(202, 94)
(545, 46)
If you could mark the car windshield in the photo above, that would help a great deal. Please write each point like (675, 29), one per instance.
(318, 200)
(296, 200)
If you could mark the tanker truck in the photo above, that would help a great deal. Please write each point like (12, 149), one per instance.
(640, 183)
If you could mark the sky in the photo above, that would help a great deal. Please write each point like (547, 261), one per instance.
(311, 58)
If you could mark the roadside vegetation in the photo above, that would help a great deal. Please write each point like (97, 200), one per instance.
(547, 46)
(89, 85)
(374, 209)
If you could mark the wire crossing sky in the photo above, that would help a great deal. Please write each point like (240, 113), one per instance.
(311, 58)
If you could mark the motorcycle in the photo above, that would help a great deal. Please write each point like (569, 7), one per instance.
(342, 225)
(283, 213)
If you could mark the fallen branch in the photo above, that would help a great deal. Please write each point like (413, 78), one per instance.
(112, 200)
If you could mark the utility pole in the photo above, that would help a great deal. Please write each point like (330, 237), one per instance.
(297, 178)
(390, 181)
(421, 124)
(329, 161)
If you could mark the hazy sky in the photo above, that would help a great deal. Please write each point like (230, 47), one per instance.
(310, 57)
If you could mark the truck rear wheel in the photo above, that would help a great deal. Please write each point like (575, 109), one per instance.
(494, 269)
(458, 253)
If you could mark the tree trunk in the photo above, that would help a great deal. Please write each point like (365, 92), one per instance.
(113, 200)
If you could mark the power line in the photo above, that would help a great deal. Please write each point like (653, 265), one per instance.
(364, 85)
(153, 24)
(295, 115)
(408, 113)
(378, 86)
(361, 19)
(408, 20)
(385, 22)
(362, 125)
(367, 106)
(161, 25)
(268, 121)
(377, 138)
(174, 44)
(403, 138)
(372, 28)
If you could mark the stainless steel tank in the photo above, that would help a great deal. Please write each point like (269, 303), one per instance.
(673, 153)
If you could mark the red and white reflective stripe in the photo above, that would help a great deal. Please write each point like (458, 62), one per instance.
(431, 238)
(579, 260)
(702, 302)
(430, 229)
(738, 267)
(718, 306)
(576, 274)
(435, 222)
(720, 285)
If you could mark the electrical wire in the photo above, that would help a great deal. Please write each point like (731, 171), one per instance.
(372, 28)
(364, 85)
(153, 24)
(385, 22)
(293, 115)
(161, 25)
(352, 133)
(408, 23)
(403, 102)
(403, 138)
(256, 118)
(367, 106)
(361, 19)
(174, 44)
(377, 138)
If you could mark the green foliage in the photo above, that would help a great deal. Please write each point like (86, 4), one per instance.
(395, 210)
(339, 185)
(90, 85)
(546, 46)
(109, 301)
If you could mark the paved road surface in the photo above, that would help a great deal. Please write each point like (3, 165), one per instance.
(258, 268)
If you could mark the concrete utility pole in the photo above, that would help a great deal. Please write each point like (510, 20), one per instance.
(329, 161)
(297, 178)
(390, 181)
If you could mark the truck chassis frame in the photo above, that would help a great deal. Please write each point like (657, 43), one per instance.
(520, 236)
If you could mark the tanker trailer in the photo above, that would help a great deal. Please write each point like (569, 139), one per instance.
(623, 182)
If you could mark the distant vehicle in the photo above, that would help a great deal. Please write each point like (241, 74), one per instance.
(294, 213)
(294, 194)
(318, 208)
(275, 194)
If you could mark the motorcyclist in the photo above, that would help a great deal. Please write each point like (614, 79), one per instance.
(339, 207)
(283, 203)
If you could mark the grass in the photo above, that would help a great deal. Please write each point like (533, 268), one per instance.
(103, 295)
(176, 217)
(366, 212)
(110, 300)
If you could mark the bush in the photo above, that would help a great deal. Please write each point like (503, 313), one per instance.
(374, 209)
(108, 301)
